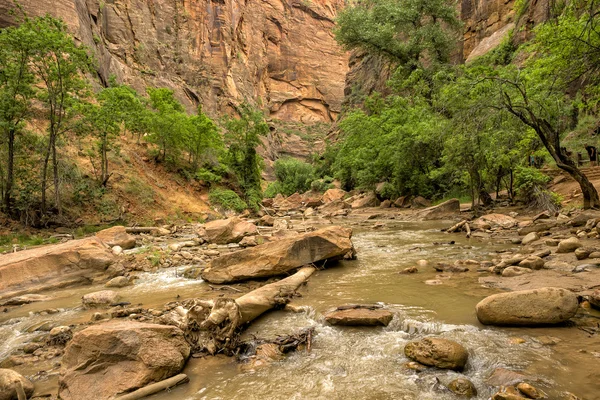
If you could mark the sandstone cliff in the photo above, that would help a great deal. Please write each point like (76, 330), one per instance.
(279, 54)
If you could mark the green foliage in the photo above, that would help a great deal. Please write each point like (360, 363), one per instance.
(208, 176)
(243, 138)
(227, 199)
(292, 176)
(528, 181)
(141, 191)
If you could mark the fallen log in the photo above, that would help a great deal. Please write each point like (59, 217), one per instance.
(214, 326)
(468, 229)
(156, 387)
(457, 227)
(141, 229)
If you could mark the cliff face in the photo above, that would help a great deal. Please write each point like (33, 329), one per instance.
(279, 54)
(486, 24)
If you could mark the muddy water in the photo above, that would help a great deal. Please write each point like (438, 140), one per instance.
(357, 363)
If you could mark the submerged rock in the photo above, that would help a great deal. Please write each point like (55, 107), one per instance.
(505, 377)
(438, 352)
(530, 391)
(118, 282)
(463, 387)
(116, 357)
(282, 256)
(25, 299)
(8, 384)
(359, 316)
(543, 306)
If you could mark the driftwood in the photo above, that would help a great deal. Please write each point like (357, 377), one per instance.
(468, 229)
(457, 227)
(156, 387)
(214, 326)
(141, 229)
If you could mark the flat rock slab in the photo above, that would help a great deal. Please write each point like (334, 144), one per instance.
(117, 236)
(441, 211)
(359, 317)
(55, 262)
(280, 257)
(545, 306)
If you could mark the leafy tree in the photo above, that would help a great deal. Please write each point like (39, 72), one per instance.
(168, 124)
(243, 138)
(202, 137)
(58, 63)
(16, 92)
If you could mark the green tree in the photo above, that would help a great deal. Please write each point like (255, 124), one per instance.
(202, 137)
(168, 124)
(59, 64)
(243, 138)
(292, 175)
(16, 92)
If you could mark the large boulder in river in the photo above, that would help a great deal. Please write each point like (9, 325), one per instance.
(117, 236)
(100, 299)
(50, 266)
(106, 360)
(282, 256)
(441, 211)
(543, 306)
(359, 316)
(225, 231)
(9, 380)
(438, 352)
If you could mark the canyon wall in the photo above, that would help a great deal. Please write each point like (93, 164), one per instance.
(278, 54)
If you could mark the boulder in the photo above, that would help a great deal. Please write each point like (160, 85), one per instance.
(438, 352)
(359, 316)
(463, 387)
(508, 393)
(568, 245)
(267, 220)
(530, 238)
(8, 384)
(420, 202)
(117, 236)
(595, 299)
(443, 210)
(54, 265)
(530, 391)
(515, 271)
(334, 206)
(333, 195)
(532, 262)
(402, 202)
(367, 200)
(385, 204)
(109, 359)
(498, 220)
(282, 256)
(118, 282)
(226, 231)
(543, 306)
(584, 217)
(100, 299)
(537, 227)
(582, 253)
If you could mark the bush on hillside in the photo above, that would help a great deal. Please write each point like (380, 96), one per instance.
(227, 199)
(292, 176)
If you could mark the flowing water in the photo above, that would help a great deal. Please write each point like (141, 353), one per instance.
(363, 363)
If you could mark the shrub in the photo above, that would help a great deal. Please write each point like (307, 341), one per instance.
(227, 199)
(528, 183)
(292, 176)
(207, 176)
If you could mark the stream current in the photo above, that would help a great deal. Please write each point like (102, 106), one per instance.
(357, 363)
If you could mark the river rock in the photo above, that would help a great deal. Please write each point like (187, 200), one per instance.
(583, 252)
(117, 236)
(281, 256)
(109, 359)
(438, 352)
(537, 227)
(226, 231)
(53, 265)
(508, 393)
(366, 200)
(118, 282)
(441, 211)
(532, 262)
(568, 245)
(332, 195)
(267, 220)
(359, 317)
(497, 220)
(530, 391)
(595, 299)
(334, 206)
(8, 379)
(529, 238)
(463, 387)
(25, 299)
(528, 307)
(420, 202)
(509, 272)
(100, 299)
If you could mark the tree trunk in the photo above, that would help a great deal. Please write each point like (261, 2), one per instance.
(44, 183)
(55, 173)
(9, 171)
